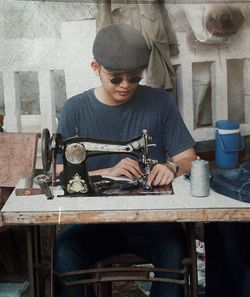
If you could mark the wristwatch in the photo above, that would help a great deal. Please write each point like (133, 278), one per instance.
(173, 165)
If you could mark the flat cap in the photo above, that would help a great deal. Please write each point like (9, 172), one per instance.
(120, 48)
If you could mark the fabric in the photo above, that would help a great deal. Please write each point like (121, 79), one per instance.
(158, 31)
(121, 48)
(151, 109)
(153, 21)
(234, 183)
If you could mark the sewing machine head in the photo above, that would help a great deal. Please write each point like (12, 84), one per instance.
(76, 150)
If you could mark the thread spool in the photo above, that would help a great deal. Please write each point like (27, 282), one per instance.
(199, 179)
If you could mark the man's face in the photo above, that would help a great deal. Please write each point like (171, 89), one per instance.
(118, 88)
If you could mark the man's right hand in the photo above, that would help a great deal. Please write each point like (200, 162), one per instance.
(126, 167)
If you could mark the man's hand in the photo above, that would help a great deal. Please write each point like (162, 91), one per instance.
(160, 175)
(126, 167)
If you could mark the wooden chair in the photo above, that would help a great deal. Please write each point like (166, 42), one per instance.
(17, 159)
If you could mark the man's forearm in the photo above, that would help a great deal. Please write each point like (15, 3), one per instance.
(185, 165)
(103, 171)
(184, 161)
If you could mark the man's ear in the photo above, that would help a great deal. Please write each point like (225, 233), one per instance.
(95, 66)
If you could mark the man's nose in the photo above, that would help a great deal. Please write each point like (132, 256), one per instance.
(125, 82)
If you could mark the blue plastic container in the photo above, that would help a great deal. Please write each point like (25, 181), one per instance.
(228, 142)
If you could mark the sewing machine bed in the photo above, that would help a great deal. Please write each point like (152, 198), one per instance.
(121, 186)
(164, 190)
(124, 187)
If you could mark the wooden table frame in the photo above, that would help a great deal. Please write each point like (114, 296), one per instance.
(33, 211)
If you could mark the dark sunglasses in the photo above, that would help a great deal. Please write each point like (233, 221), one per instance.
(118, 79)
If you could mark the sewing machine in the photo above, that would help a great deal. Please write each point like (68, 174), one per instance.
(76, 150)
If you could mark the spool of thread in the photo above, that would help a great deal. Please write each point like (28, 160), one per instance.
(199, 179)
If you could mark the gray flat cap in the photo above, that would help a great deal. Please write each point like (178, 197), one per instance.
(120, 48)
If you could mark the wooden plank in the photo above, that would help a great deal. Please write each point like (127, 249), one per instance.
(17, 157)
(128, 216)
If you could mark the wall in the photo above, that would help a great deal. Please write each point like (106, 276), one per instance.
(46, 49)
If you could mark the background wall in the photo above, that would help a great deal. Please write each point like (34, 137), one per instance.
(45, 49)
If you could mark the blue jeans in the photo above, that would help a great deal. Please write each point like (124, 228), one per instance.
(234, 183)
(162, 244)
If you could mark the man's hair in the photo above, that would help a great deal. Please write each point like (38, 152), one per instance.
(121, 48)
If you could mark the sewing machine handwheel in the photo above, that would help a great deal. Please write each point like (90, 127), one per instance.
(46, 150)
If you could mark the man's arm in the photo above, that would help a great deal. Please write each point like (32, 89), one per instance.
(126, 167)
(184, 161)
(160, 175)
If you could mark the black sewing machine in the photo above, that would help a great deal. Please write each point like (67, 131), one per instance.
(75, 179)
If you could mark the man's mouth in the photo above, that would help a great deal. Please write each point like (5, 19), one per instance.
(123, 93)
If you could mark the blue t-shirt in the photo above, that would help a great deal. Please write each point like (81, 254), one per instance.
(149, 108)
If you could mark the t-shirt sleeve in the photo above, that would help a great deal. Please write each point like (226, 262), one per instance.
(176, 136)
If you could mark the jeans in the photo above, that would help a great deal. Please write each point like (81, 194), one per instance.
(227, 259)
(234, 183)
(162, 244)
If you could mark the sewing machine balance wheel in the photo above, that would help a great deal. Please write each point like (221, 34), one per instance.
(46, 150)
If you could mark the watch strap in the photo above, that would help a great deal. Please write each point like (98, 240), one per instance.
(173, 165)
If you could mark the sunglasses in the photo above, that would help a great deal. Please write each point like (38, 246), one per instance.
(118, 79)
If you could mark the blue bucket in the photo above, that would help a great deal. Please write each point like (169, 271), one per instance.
(228, 143)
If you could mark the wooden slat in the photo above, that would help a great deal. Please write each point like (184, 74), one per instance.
(128, 216)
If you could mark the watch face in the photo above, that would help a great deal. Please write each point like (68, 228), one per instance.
(75, 153)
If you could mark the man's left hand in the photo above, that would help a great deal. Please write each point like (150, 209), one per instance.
(160, 175)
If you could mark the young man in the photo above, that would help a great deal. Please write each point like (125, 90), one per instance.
(119, 109)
